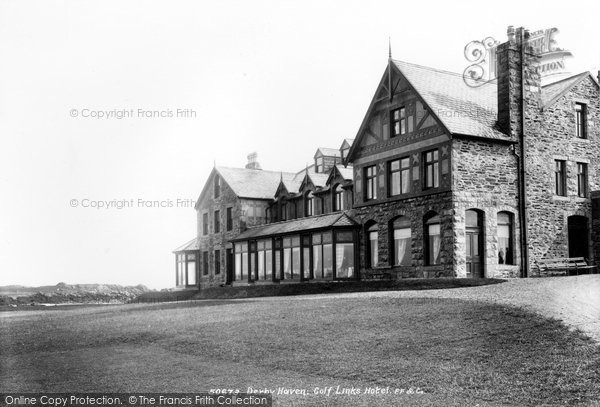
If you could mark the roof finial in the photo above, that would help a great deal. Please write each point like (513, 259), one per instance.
(214, 163)
(390, 47)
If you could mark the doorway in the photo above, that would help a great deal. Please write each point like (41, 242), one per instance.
(578, 236)
(474, 243)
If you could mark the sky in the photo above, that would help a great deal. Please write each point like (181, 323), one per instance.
(113, 113)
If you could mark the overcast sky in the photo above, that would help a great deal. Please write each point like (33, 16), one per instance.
(277, 77)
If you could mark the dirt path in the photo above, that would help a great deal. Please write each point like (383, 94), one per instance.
(575, 300)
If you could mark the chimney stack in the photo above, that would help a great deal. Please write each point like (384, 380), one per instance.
(519, 80)
(252, 163)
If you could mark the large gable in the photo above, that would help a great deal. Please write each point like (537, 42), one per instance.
(462, 109)
(555, 90)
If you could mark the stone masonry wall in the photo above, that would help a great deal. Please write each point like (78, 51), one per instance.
(551, 135)
(485, 178)
(415, 209)
(596, 224)
(245, 213)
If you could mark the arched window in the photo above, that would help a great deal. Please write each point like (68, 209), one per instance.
(401, 236)
(505, 238)
(373, 235)
(432, 239)
(309, 204)
(338, 198)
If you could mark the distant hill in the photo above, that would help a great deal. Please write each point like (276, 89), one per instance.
(70, 293)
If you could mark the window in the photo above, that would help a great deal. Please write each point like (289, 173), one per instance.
(205, 263)
(372, 233)
(581, 180)
(398, 122)
(431, 169)
(205, 224)
(306, 246)
(338, 203)
(265, 260)
(291, 257)
(229, 219)
(581, 117)
(217, 221)
(180, 275)
(505, 238)
(293, 210)
(319, 164)
(309, 209)
(241, 261)
(344, 254)
(432, 240)
(191, 269)
(401, 235)
(560, 177)
(284, 211)
(322, 255)
(370, 182)
(217, 186)
(399, 179)
(217, 262)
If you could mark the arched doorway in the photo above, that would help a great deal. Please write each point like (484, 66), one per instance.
(474, 243)
(578, 236)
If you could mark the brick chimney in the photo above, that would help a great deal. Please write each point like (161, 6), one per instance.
(518, 75)
(252, 162)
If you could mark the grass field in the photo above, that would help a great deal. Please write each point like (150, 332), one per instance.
(456, 352)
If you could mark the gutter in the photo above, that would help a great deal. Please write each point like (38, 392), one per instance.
(522, 170)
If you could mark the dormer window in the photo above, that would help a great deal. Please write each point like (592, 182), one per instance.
(309, 209)
(319, 164)
(338, 203)
(581, 117)
(398, 122)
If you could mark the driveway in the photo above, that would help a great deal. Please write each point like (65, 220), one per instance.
(575, 300)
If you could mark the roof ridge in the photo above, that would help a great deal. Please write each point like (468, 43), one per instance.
(293, 220)
(428, 67)
(252, 169)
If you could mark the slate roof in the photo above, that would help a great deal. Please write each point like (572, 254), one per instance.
(303, 224)
(329, 152)
(258, 184)
(318, 179)
(346, 172)
(191, 245)
(462, 109)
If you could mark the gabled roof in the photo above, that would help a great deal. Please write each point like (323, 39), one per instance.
(347, 142)
(551, 92)
(191, 245)
(460, 108)
(318, 179)
(345, 173)
(328, 152)
(257, 184)
(303, 224)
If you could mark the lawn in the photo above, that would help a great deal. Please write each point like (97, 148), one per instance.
(452, 352)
